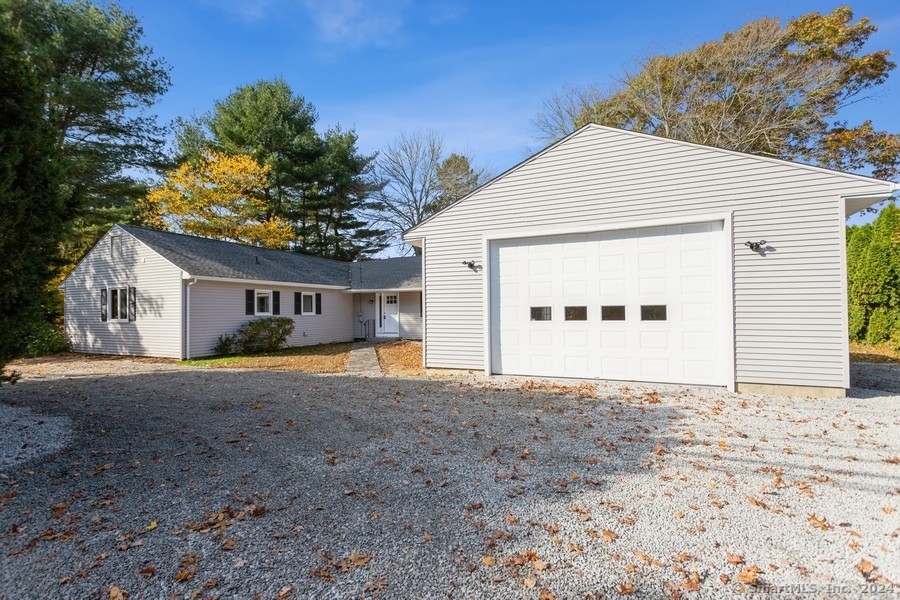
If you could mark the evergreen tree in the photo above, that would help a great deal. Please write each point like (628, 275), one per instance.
(33, 212)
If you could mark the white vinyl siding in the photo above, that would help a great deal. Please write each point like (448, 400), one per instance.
(411, 315)
(156, 329)
(219, 307)
(791, 298)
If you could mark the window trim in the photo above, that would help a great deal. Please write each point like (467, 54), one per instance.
(312, 303)
(116, 308)
(260, 293)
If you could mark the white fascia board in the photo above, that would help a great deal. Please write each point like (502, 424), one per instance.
(256, 282)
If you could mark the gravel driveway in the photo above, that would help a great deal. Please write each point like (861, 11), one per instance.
(151, 480)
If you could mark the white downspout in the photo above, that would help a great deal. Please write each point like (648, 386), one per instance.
(187, 324)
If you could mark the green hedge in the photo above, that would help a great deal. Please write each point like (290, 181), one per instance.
(873, 279)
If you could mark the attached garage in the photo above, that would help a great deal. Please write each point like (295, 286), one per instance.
(624, 256)
(641, 304)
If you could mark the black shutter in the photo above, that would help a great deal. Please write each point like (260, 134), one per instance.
(132, 304)
(251, 300)
(318, 303)
(276, 302)
(103, 304)
(298, 303)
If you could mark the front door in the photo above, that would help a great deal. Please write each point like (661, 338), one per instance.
(389, 315)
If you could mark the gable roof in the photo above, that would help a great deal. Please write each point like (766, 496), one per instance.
(403, 273)
(206, 258)
(413, 234)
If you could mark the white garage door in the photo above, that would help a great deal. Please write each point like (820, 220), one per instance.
(637, 305)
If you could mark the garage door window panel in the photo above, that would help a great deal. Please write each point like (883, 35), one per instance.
(541, 313)
(612, 313)
(576, 313)
(653, 312)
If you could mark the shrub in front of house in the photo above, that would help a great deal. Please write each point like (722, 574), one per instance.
(46, 338)
(268, 334)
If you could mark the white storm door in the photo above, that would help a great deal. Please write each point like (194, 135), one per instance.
(389, 319)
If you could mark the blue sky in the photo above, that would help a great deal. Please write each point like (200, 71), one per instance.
(475, 72)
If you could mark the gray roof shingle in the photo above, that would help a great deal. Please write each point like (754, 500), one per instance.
(202, 257)
(388, 274)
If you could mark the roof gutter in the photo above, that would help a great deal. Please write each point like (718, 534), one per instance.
(263, 282)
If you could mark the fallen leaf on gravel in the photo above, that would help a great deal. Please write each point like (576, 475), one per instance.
(734, 559)
(819, 522)
(228, 544)
(59, 510)
(147, 571)
(887, 510)
(101, 468)
(188, 564)
(893, 460)
(539, 565)
(375, 586)
(679, 514)
(757, 502)
(575, 548)
(117, 593)
(153, 525)
(240, 564)
(609, 536)
(284, 593)
(426, 537)
(256, 510)
(867, 570)
(474, 506)
(359, 559)
(546, 594)
(626, 589)
(489, 561)
(647, 559)
(529, 582)
(65, 580)
(724, 579)
(749, 575)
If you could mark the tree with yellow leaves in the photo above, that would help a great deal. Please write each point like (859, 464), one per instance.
(218, 196)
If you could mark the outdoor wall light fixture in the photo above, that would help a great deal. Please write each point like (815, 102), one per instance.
(470, 264)
(371, 301)
(756, 246)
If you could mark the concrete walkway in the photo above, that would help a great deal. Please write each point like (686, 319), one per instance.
(363, 360)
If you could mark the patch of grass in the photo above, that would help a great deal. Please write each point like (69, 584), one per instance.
(402, 359)
(879, 353)
(320, 358)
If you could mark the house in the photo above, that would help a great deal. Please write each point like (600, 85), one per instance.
(624, 256)
(153, 293)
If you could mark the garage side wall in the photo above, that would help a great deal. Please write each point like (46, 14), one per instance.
(219, 307)
(789, 309)
(411, 315)
(156, 283)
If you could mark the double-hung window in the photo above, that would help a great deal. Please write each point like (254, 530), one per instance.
(117, 304)
(263, 302)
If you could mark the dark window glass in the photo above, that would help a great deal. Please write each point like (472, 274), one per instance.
(612, 313)
(653, 312)
(576, 313)
(540, 313)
